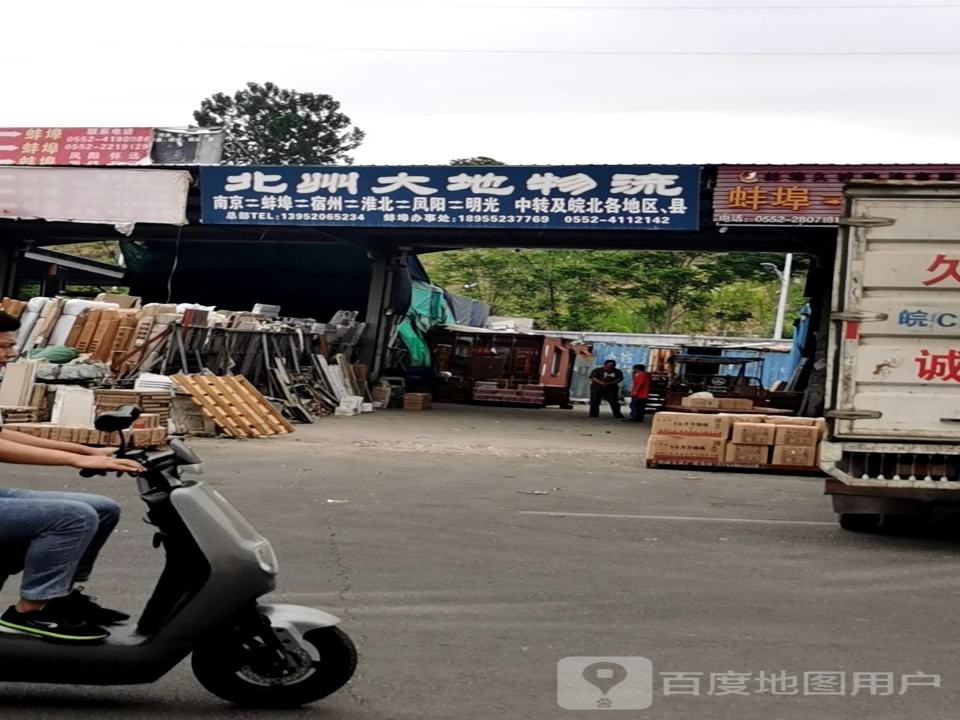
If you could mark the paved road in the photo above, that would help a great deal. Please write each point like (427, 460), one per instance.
(463, 590)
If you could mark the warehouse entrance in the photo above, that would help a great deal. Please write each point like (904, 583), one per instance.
(512, 361)
(281, 255)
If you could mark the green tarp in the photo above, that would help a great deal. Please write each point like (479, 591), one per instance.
(428, 309)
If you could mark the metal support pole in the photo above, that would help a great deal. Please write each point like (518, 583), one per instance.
(52, 283)
(8, 266)
(784, 296)
(379, 321)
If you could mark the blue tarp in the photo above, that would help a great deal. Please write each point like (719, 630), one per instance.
(777, 365)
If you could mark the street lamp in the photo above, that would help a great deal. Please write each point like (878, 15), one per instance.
(784, 277)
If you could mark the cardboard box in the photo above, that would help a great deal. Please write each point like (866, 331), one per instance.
(672, 423)
(745, 433)
(797, 435)
(805, 421)
(694, 449)
(745, 417)
(805, 456)
(700, 402)
(802, 421)
(736, 404)
(747, 454)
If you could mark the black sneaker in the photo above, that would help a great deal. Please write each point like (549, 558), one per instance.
(51, 623)
(86, 608)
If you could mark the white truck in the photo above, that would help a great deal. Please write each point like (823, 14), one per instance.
(893, 364)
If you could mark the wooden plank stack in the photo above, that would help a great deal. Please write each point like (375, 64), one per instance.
(417, 401)
(234, 405)
(19, 414)
(138, 438)
(155, 403)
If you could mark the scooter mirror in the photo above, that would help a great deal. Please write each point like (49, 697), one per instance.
(117, 420)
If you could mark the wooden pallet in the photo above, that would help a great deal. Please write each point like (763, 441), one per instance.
(706, 464)
(234, 405)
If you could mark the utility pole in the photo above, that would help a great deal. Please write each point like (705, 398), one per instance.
(784, 277)
(784, 295)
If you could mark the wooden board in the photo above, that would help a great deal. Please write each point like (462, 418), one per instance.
(233, 404)
(77, 329)
(16, 390)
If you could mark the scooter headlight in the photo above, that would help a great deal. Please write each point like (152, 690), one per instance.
(267, 558)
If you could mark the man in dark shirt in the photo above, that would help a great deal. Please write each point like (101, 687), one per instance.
(605, 385)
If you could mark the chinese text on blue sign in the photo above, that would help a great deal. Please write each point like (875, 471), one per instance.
(595, 197)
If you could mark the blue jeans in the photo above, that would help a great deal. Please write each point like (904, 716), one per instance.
(638, 408)
(63, 533)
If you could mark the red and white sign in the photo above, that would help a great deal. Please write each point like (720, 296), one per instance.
(75, 146)
(802, 194)
(95, 195)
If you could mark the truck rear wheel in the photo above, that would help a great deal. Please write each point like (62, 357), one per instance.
(860, 522)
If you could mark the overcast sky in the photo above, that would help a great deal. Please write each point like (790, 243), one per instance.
(525, 81)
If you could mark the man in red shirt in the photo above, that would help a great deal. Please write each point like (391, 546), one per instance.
(639, 392)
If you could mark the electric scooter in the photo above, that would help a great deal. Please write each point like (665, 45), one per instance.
(205, 603)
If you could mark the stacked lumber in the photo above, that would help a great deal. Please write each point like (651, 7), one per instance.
(154, 403)
(490, 392)
(19, 414)
(417, 401)
(234, 405)
(139, 438)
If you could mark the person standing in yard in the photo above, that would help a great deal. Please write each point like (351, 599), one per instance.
(605, 385)
(639, 393)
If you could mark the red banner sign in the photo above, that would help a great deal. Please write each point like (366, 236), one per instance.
(802, 194)
(75, 146)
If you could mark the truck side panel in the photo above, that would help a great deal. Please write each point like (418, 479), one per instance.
(896, 342)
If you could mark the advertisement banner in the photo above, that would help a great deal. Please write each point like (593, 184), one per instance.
(94, 195)
(617, 197)
(801, 195)
(75, 146)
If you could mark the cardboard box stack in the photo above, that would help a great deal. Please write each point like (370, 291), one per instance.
(798, 444)
(689, 438)
(735, 440)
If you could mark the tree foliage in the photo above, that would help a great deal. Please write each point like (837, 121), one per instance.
(269, 125)
(478, 160)
(622, 291)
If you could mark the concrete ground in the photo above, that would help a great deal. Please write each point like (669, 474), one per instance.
(468, 550)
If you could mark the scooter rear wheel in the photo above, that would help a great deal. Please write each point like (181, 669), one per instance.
(324, 667)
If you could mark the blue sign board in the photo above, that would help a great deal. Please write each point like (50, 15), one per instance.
(595, 197)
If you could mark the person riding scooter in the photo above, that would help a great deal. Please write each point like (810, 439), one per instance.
(62, 533)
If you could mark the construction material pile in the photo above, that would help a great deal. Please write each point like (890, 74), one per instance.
(191, 369)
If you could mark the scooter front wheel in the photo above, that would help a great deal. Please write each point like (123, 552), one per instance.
(320, 668)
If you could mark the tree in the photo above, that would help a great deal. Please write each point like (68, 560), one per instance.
(478, 160)
(621, 291)
(269, 125)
